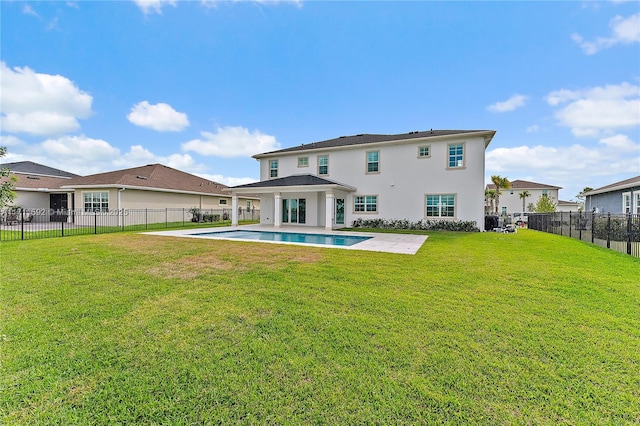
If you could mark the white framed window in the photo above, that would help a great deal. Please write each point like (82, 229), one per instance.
(95, 201)
(424, 151)
(365, 203)
(440, 205)
(323, 164)
(373, 162)
(545, 192)
(637, 207)
(626, 202)
(273, 168)
(223, 202)
(455, 157)
(248, 205)
(303, 161)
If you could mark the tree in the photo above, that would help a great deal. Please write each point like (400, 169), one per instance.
(580, 196)
(531, 207)
(6, 187)
(489, 197)
(500, 182)
(545, 204)
(524, 194)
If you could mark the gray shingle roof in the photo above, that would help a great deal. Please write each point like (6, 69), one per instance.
(523, 184)
(623, 184)
(369, 138)
(295, 180)
(31, 168)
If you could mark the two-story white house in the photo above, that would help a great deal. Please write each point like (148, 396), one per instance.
(436, 174)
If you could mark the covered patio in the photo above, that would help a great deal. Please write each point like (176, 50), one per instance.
(299, 200)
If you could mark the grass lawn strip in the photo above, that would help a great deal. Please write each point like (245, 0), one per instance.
(475, 328)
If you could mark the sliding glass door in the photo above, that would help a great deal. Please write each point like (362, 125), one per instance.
(294, 210)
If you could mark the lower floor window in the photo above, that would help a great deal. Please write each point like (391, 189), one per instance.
(96, 201)
(442, 205)
(365, 203)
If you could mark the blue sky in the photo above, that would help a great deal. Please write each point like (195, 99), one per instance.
(92, 86)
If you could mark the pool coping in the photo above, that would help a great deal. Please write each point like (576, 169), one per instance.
(378, 242)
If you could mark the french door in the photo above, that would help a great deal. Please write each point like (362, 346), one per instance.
(340, 211)
(294, 210)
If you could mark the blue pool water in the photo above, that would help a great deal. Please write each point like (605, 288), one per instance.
(289, 237)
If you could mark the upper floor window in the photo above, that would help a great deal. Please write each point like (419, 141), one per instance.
(365, 203)
(373, 162)
(273, 168)
(637, 202)
(303, 161)
(440, 205)
(545, 192)
(456, 156)
(424, 151)
(96, 201)
(323, 164)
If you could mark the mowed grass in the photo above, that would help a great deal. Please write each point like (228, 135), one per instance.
(485, 328)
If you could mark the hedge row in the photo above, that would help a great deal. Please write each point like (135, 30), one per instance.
(422, 225)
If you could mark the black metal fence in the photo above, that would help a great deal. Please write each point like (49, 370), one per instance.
(27, 224)
(617, 232)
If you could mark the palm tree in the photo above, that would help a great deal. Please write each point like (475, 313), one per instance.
(489, 196)
(524, 194)
(500, 182)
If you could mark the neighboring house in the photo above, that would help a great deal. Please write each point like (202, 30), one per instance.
(510, 201)
(620, 197)
(569, 206)
(154, 186)
(435, 175)
(38, 187)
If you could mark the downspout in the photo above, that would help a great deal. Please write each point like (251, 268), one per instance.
(120, 213)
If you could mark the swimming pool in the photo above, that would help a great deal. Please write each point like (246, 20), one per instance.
(288, 237)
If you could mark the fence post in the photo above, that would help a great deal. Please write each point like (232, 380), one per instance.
(146, 218)
(22, 224)
(593, 225)
(569, 224)
(609, 230)
(62, 227)
(95, 222)
(166, 217)
(629, 233)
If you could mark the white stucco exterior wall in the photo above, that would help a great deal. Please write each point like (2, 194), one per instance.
(403, 179)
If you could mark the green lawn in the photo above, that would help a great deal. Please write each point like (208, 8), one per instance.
(530, 328)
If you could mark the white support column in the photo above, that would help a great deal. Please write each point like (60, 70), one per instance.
(277, 214)
(329, 207)
(234, 209)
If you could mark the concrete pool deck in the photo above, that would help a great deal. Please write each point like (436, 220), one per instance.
(380, 242)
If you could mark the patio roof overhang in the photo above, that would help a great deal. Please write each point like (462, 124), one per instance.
(295, 183)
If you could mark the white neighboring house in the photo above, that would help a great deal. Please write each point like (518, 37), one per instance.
(436, 174)
(510, 201)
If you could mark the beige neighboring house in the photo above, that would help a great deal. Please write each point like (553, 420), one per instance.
(38, 188)
(154, 186)
(510, 201)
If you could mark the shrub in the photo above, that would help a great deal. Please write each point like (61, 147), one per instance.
(422, 225)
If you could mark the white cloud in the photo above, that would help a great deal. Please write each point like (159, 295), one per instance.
(623, 31)
(515, 101)
(232, 142)
(153, 6)
(28, 10)
(40, 104)
(80, 148)
(227, 180)
(533, 129)
(10, 140)
(161, 117)
(590, 111)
